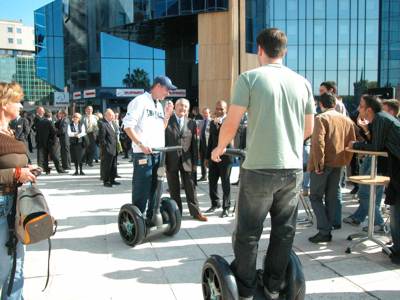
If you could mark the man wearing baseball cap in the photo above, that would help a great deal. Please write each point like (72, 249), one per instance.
(145, 123)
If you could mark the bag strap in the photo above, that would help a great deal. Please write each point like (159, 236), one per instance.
(48, 258)
(12, 241)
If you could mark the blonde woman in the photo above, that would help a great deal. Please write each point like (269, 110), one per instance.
(13, 170)
(76, 132)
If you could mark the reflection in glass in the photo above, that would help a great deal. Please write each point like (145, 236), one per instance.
(113, 71)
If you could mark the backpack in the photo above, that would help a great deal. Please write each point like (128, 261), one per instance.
(30, 222)
(33, 221)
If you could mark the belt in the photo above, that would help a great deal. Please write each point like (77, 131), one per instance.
(6, 189)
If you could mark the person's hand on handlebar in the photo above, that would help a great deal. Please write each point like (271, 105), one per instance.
(145, 149)
(216, 154)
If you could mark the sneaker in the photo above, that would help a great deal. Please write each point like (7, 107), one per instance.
(351, 221)
(320, 238)
(377, 228)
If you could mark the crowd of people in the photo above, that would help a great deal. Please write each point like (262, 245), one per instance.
(306, 151)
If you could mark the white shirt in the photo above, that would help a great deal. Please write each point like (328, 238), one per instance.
(147, 120)
(72, 134)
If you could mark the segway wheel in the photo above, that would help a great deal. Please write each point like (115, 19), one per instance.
(131, 225)
(171, 215)
(218, 281)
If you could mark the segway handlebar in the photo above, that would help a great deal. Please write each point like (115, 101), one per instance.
(235, 152)
(167, 149)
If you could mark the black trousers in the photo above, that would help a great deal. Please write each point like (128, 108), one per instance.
(90, 147)
(65, 153)
(215, 171)
(261, 192)
(203, 166)
(108, 167)
(43, 158)
(190, 190)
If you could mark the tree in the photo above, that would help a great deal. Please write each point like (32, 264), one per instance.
(139, 78)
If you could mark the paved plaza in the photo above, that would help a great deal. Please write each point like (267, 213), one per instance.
(90, 261)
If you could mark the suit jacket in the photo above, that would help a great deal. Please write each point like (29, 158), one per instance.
(107, 138)
(21, 128)
(62, 129)
(46, 134)
(187, 138)
(203, 137)
(213, 143)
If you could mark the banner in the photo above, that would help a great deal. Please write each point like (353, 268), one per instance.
(61, 99)
(76, 95)
(129, 92)
(89, 94)
(178, 93)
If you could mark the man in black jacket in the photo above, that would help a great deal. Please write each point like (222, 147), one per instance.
(47, 144)
(182, 131)
(22, 130)
(383, 134)
(219, 170)
(108, 144)
(62, 133)
(204, 128)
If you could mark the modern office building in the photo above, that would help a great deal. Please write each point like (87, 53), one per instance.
(17, 61)
(108, 51)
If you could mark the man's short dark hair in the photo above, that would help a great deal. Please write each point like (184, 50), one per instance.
(273, 41)
(327, 100)
(372, 102)
(330, 85)
(393, 104)
(47, 114)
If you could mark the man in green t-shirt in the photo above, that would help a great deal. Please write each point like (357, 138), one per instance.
(280, 108)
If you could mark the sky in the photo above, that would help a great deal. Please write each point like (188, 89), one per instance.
(20, 10)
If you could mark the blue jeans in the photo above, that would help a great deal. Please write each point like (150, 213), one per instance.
(395, 226)
(263, 191)
(328, 185)
(306, 175)
(7, 260)
(144, 181)
(363, 195)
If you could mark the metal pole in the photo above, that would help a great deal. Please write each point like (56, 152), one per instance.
(372, 198)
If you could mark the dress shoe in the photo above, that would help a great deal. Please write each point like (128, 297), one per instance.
(115, 182)
(203, 178)
(61, 171)
(212, 209)
(350, 220)
(235, 183)
(75, 174)
(320, 238)
(81, 173)
(107, 184)
(90, 165)
(224, 213)
(118, 176)
(336, 227)
(96, 161)
(200, 217)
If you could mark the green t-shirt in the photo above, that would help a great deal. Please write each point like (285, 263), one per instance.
(277, 100)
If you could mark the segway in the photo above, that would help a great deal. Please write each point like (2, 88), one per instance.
(219, 282)
(166, 219)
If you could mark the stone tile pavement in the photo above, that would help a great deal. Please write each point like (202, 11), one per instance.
(90, 261)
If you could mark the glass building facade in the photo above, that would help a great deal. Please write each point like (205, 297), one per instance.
(120, 43)
(332, 40)
(22, 70)
(49, 43)
(390, 47)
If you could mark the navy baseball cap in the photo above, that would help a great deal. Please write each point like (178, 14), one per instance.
(164, 81)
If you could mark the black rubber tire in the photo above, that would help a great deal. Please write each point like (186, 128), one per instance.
(171, 215)
(218, 281)
(130, 215)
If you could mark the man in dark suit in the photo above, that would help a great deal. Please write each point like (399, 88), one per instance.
(22, 130)
(219, 170)
(204, 128)
(62, 133)
(47, 143)
(108, 145)
(182, 131)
